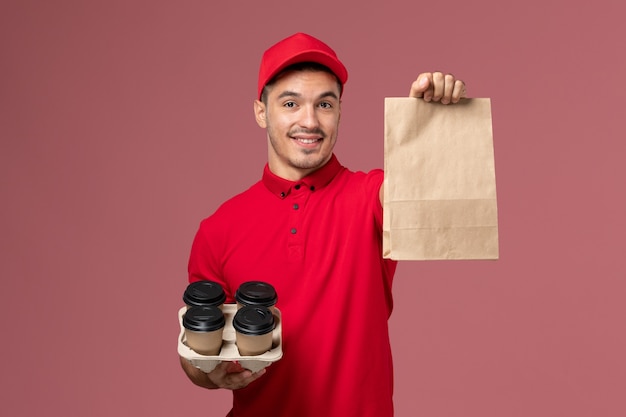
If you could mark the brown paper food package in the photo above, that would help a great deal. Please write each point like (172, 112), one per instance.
(440, 186)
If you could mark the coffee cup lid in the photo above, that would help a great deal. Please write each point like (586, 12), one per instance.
(253, 320)
(203, 319)
(204, 292)
(256, 293)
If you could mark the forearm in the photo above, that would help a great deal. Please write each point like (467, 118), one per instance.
(197, 376)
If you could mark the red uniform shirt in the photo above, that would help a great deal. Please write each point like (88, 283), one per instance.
(318, 241)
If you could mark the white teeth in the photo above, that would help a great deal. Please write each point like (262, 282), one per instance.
(307, 141)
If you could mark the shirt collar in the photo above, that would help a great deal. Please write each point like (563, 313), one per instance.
(281, 187)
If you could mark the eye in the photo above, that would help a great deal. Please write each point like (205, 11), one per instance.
(326, 105)
(290, 104)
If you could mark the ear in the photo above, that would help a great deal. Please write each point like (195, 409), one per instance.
(339, 117)
(260, 113)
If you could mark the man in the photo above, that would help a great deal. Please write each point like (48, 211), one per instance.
(312, 229)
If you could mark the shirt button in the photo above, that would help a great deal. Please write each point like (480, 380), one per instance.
(293, 231)
(297, 187)
(282, 195)
(312, 188)
(296, 207)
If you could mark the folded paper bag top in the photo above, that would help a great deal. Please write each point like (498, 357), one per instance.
(440, 189)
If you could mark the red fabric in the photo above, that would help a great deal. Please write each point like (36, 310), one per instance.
(294, 49)
(321, 250)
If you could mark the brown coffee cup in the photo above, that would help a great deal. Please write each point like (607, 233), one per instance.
(204, 327)
(204, 293)
(256, 293)
(253, 330)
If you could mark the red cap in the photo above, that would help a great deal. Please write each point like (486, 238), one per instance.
(298, 48)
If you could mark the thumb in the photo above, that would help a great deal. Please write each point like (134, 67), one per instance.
(423, 82)
(420, 85)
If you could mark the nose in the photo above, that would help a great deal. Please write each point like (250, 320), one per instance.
(308, 117)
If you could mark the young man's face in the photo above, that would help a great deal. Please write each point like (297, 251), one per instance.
(302, 119)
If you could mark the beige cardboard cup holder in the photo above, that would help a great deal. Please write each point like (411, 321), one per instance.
(229, 351)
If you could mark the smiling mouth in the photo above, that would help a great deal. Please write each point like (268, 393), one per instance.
(307, 141)
(307, 137)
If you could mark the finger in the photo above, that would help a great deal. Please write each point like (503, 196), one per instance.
(218, 373)
(236, 380)
(448, 88)
(420, 85)
(256, 375)
(438, 86)
(428, 93)
(220, 370)
(242, 379)
(234, 366)
(459, 91)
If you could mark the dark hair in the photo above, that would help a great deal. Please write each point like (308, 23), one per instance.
(300, 66)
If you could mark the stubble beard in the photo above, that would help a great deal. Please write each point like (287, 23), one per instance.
(307, 159)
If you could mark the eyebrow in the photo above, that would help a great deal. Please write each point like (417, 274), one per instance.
(288, 93)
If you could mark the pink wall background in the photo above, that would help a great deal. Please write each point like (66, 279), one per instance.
(124, 123)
